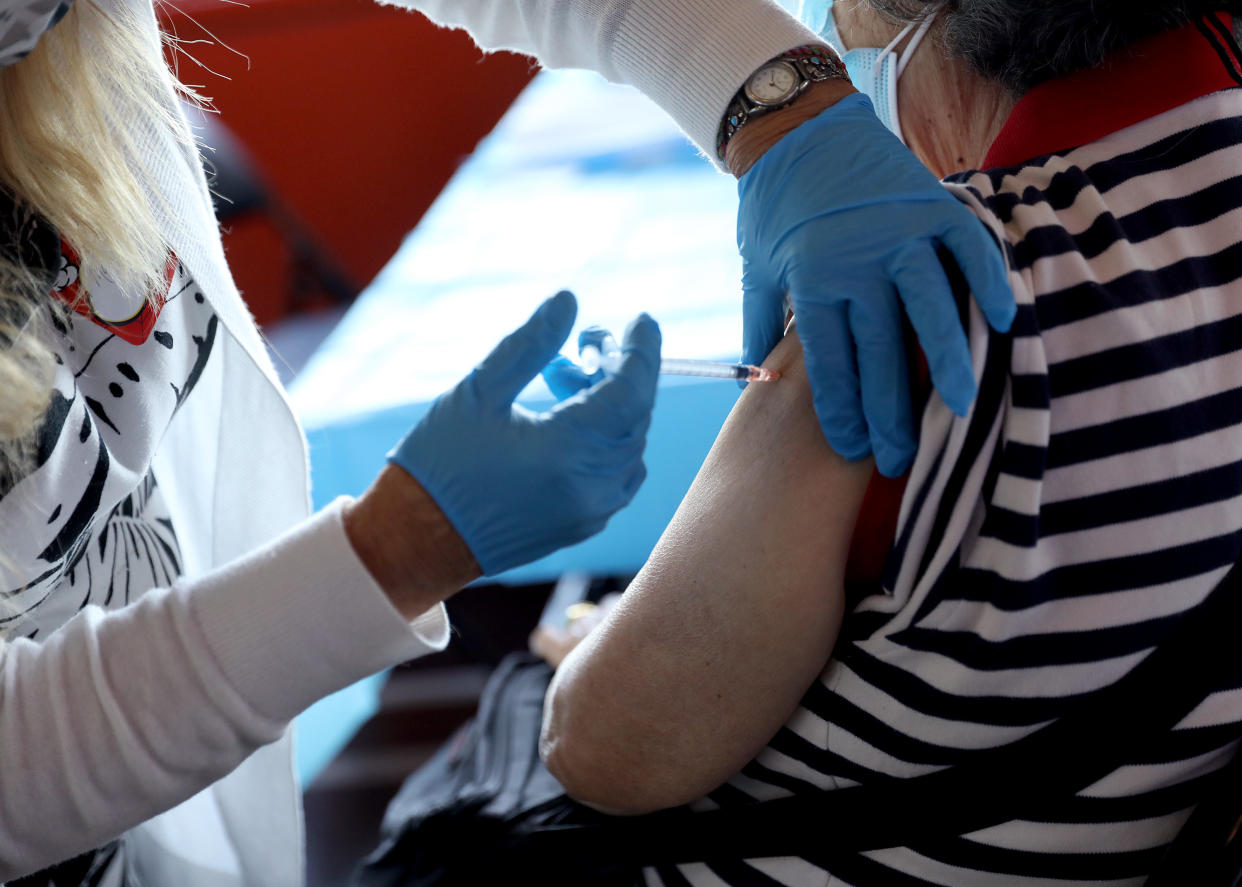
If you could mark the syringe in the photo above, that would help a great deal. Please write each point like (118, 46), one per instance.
(597, 349)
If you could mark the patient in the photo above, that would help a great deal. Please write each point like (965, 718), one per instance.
(1020, 581)
(739, 606)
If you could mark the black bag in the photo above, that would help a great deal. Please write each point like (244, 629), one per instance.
(485, 810)
(451, 822)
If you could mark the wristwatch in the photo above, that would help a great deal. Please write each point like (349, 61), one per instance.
(776, 84)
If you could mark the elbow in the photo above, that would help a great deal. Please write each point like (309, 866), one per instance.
(589, 778)
(598, 767)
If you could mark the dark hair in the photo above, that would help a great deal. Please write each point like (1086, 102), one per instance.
(1021, 43)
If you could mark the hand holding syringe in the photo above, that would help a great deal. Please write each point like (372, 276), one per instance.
(598, 350)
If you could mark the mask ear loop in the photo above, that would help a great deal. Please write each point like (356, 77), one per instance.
(903, 59)
(888, 50)
(908, 52)
(877, 76)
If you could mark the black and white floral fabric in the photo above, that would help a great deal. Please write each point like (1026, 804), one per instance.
(88, 525)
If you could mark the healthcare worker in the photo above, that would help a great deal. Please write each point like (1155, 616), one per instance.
(169, 607)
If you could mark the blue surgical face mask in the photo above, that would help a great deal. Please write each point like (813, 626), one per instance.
(873, 72)
(23, 22)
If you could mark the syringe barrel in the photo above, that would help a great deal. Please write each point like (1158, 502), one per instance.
(598, 350)
(709, 369)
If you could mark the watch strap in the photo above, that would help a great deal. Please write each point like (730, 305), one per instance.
(814, 61)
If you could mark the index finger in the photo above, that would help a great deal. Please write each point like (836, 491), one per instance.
(983, 263)
(832, 368)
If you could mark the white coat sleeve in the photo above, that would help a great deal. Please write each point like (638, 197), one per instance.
(119, 716)
(689, 56)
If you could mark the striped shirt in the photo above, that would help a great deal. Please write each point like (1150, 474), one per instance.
(1049, 540)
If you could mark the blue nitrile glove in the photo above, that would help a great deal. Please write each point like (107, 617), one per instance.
(516, 484)
(844, 218)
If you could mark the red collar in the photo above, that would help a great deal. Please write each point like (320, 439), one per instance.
(1146, 79)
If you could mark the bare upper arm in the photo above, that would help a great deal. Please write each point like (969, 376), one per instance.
(729, 622)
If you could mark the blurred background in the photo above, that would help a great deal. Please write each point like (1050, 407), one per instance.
(349, 116)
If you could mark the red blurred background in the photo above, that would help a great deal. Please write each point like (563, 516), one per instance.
(355, 116)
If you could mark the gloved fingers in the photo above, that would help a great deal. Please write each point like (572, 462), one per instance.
(523, 353)
(598, 494)
(884, 382)
(981, 260)
(614, 457)
(634, 479)
(763, 315)
(565, 378)
(621, 489)
(620, 406)
(614, 477)
(933, 313)
(828, 349)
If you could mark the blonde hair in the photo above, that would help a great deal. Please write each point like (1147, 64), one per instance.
(66, 111)
(65, 154)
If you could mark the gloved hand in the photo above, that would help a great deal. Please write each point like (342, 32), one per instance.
(516, 484)
(844, 218)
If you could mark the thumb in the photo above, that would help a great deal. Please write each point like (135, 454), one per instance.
(763, 316)
(523, 353)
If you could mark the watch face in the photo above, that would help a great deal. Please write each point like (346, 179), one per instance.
(774, 84)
